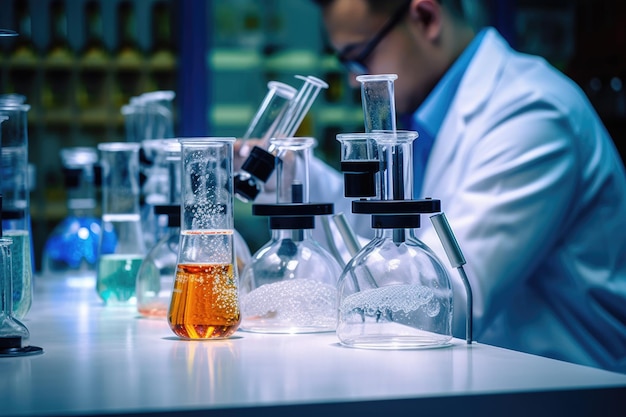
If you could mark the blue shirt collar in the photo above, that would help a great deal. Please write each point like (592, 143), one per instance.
(428, 118)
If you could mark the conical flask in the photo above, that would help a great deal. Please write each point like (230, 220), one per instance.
(16, 220)
(395, 293)
(156, 275)
(71, 250)
(121, 249)
(205, 298)
(290, 284)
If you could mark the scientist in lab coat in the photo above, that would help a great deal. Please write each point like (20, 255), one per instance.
(527, 175)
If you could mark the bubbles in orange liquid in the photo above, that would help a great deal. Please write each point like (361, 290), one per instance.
(205, 303)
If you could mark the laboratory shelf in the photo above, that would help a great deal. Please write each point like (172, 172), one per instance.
(99, 360)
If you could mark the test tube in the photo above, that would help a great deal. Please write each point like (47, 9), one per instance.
(300, 105)
(271, 110)
(378, 99)
(259, 165)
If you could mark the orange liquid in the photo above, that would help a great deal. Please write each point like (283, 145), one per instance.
(205, 302)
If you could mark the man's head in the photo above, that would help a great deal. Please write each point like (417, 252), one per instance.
(416, 39)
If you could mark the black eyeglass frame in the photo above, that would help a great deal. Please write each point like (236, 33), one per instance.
(357, 64)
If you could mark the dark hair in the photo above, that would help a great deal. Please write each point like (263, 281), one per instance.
(389, 6)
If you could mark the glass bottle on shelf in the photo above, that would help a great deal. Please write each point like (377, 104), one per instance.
(94, 48)
(71, 250)
(23, 47)
(290, 286)
(58, 63)
(122, 248)
(16, 221)
(205, 299)
(92, 89)
(59, 47)
(162, 50)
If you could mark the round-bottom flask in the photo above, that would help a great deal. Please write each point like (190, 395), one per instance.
(290, 286)
(394, 293)
(395, 296)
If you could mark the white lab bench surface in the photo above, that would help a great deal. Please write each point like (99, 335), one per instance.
(100, 360)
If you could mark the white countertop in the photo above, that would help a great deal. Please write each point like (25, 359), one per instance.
(101, 360)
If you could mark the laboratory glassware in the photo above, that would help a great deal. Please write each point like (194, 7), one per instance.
(290, 286)
(261, 128)
(71, 250)
(122, 248)
(395, 293)
(16, 220)
(14, 335)
(378, 101)
(205, 298)
(260, 162)
(155, 278)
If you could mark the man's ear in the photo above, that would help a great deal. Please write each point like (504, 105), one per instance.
(427, 14)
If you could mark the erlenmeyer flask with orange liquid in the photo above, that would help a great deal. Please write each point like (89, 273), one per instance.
(205, 298)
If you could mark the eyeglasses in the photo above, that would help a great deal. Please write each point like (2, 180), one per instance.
(357, 64)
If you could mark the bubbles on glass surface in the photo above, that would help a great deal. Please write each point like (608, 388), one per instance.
(301, 302)
(386, 301)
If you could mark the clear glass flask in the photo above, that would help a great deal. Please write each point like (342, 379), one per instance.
(14, 335)
(205, 298)
(16, 221)
(121, 248)
(395, 293)
(71, 250)
(290, 284)
(156, 275)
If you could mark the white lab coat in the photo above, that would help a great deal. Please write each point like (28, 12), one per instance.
(535, 193)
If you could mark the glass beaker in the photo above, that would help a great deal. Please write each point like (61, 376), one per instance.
(290, 284)
(122, 248)
(16, 222)
(395, 293)
(71, 250)
(13, 334)
(205, 299)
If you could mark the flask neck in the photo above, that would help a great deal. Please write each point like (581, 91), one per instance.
(297, 235)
